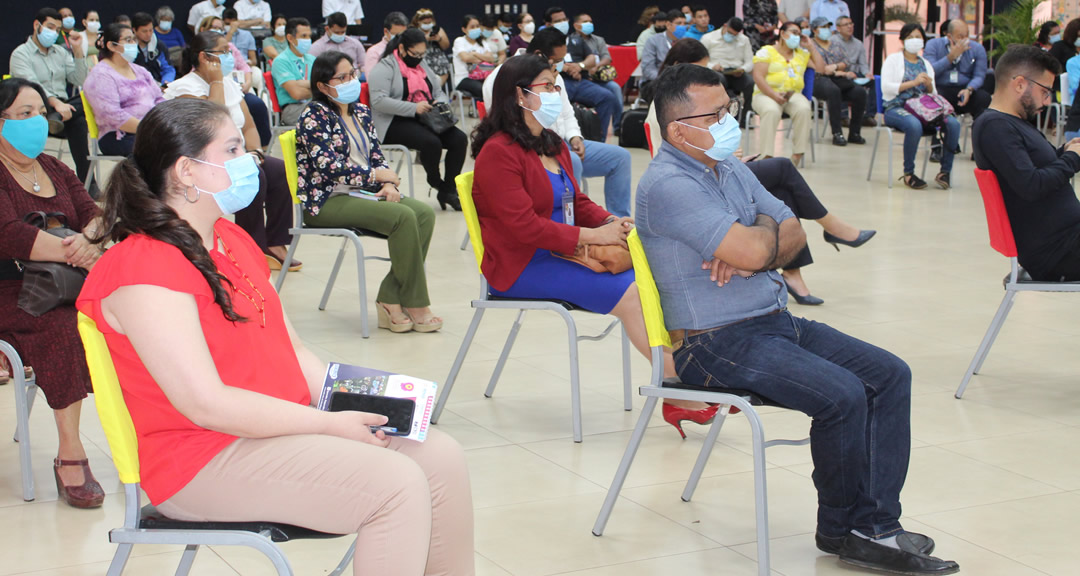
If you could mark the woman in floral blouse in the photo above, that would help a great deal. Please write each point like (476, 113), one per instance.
(345, 182)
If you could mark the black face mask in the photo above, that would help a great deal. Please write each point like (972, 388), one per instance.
(411, 61)
(659, 29)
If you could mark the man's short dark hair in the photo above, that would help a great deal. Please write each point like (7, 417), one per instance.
(140, 19)
(229, 14)
(546, 41)
(673, 14)
(337, 19)
(395, 19)
(672, 99)
(293, 23)
(551, 12)
(580, 16)
(660, 16)
(489, 21)
(46, 13)
(697, 8)
(1024, 60)
(735, 24)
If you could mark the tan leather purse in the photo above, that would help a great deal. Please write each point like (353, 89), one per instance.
(599, 259)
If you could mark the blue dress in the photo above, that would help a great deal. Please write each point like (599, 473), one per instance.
(550, 277)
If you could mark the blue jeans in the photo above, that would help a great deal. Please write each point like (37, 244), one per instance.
(588, 93)
(611, 162)
(912, 128)
(1070, 135)
(858, 395)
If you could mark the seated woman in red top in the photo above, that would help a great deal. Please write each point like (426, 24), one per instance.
(218, 383)
(522, 181)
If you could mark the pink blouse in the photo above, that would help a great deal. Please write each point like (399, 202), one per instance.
(115, 98)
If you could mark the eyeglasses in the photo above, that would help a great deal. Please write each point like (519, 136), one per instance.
(732, 108)
(1048, 90)
(546, 87)
(348, 76)
(420, 55)
(216, 52)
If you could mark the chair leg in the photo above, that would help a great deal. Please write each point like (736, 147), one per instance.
(575, 374)
(361, 280)
(624, 465)
(333, 274)
(628, 402)
(926, 158)
(187, 560)
(120, 558)
(890, 157)
(456, 368)
(761, 493)
(873, 154)
(703, 456)
(987, 341)
(25, 392)
(288, 262)
(510, 338)
(345, 560)
(465, 240)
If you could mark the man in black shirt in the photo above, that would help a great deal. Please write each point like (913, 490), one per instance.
(1041, 203)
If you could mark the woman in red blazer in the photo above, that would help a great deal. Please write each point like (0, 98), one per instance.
(522, 181)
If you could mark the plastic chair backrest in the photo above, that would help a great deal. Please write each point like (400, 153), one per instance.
(109, 399)
(1066, 90)
(268, 79)
(808, 83)
(288, 155)
(877, 90)
(997, 219)
(464, 184)
(481, 110)
(88, 112)
(648, 138)
(365, 94)
(647, 293)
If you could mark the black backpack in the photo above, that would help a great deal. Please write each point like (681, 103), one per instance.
(632, 134)
(589, 123)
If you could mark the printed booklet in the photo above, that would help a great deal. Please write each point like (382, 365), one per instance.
(343, 382)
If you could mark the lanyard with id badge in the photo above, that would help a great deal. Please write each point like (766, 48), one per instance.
(567, 199)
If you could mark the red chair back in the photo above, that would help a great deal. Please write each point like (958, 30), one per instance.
(648, 137)
(481, 110)
(272, 90)
(365, 94)
(997, 219)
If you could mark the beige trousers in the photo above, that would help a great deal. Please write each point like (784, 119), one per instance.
(410, 504)
(770, 113)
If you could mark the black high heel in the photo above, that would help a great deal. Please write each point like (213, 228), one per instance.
(808, 300)
(447, 197)
(864, 237)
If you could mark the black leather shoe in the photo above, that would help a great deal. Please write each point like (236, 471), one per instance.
(855, 139)
(863, 238)
(869, 554)
(908, 541)
(808, 300)
(838, 140)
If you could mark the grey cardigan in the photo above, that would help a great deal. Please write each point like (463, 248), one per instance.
(388, 93)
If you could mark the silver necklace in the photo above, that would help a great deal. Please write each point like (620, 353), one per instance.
(33, 183)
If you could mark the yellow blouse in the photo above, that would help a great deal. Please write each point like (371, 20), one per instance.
(783, 75)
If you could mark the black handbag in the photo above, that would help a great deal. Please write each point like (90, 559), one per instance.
(47, 285)
(440, 118)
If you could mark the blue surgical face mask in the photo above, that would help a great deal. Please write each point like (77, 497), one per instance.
(475, 33)
(244, 174)
(824, 34)
(228, 63)
(587, 28)
(793, 41)
(680, 31)
(728, 37)
(68, 22)
(550, 108)
(1055, 38)
(688, 17)
(504, 29)
(337, 38)
(726, 138)
(347, 92)
(563, 26)
(427, 27)
(559, 67)
(303, 45)
(220, 2)
(131, 52)
(1077, 43)
(805, 32)
(487, 33)
(165, 25)
(28, 136)
(47, 37)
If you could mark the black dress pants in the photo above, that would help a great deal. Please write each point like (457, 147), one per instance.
(409, 132)
(835, 92)
(780, 177)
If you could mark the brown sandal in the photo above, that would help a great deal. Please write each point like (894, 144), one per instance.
(87, 495)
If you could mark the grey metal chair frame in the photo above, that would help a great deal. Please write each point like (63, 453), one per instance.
(882, 128)
(484, 302)
(96, 158)
(25, 393)
(192, 538)
(348, 235)
(1017, 281)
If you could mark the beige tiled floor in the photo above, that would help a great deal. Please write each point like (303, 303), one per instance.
(995, 478)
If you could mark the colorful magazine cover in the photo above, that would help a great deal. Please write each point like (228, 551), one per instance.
(361, 380)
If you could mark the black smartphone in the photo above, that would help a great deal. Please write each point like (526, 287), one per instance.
(399, 411)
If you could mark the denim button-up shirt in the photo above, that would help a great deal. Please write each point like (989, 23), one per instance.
(970, 67)
(684, 210)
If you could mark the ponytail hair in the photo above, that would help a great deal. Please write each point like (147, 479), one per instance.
(136, 192)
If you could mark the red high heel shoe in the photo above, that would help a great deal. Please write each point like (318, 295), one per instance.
(675, 416)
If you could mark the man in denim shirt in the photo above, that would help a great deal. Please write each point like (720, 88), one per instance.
(959, 69)
(714, 238)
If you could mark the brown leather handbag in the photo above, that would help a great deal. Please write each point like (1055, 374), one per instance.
(599, 259)
(47, 285)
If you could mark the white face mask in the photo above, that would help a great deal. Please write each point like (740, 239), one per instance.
(529, 28)
(913, 45)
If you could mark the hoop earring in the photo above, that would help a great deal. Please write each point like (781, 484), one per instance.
(198, 193)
